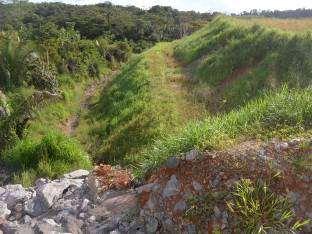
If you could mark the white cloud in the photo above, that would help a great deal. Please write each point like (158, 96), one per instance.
(207, 5)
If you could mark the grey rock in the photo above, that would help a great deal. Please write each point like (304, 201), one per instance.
(79, 174)
(192, 155)
(26, 219)
(294, 197)
(197, 186)
(217, 212)
(216, 181)
(173, 162)
(191, 229)
(72, 225)
(294, 142)
(151, 225)
(180, 206)
(35, 207)
(4, 211)
(148, 188)
(14, 194)
(115, 232)
(281, 146)
(47, 226)
(15, 228)
(49, 192)
(92, 219)
(152, 202)
(84, 205)
(172, 187)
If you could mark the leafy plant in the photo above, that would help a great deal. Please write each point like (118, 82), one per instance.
(13, 56)
(259, 210)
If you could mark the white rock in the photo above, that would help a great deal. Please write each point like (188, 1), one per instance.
(4, 211)
(84, 205)
(51, 191)
(14, 194)
(77, 174)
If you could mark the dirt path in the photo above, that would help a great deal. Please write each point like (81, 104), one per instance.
(72, 122)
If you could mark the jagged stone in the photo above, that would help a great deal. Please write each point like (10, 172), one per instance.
(15, 228)
(152, 225)
(79, 174)
(192, 155)
(51, 191)
(14, 194)
(4, 211)
(173, 162)
(47, 226)
(180, 206)
(197, 186)
(172, 187)
(148, 188)
(84, 205)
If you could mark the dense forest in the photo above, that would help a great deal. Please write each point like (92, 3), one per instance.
(50, 53)
(140, 27)
(299, 13)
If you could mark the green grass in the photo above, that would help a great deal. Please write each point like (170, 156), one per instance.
(143, 103)
(234, 62)
(282, 114)
(50, 157)
(259, 210)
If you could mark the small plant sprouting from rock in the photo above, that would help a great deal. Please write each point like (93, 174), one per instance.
(259, 210)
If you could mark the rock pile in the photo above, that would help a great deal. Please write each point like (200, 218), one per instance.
(102, 201)
(68, 205)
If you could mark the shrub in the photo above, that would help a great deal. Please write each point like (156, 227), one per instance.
(50, 157)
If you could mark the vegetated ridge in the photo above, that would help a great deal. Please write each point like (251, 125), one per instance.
(216, 125)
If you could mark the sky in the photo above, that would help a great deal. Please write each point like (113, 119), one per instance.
(227, 6)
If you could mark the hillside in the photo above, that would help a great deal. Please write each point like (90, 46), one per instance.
(211, 132)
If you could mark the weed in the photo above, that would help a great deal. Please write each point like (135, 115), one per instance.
(259, 210)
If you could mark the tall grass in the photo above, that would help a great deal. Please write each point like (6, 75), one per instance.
(51, 157)
(285, 113)
(139, 106)
(234, 62)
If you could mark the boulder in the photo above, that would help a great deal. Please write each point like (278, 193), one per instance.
(51, 191)
(14, 194)
(46, 194)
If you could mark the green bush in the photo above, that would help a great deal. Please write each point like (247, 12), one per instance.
(50, 157)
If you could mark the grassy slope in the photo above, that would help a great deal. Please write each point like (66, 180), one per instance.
(241, 72)
(146, 101)
(233, 61)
